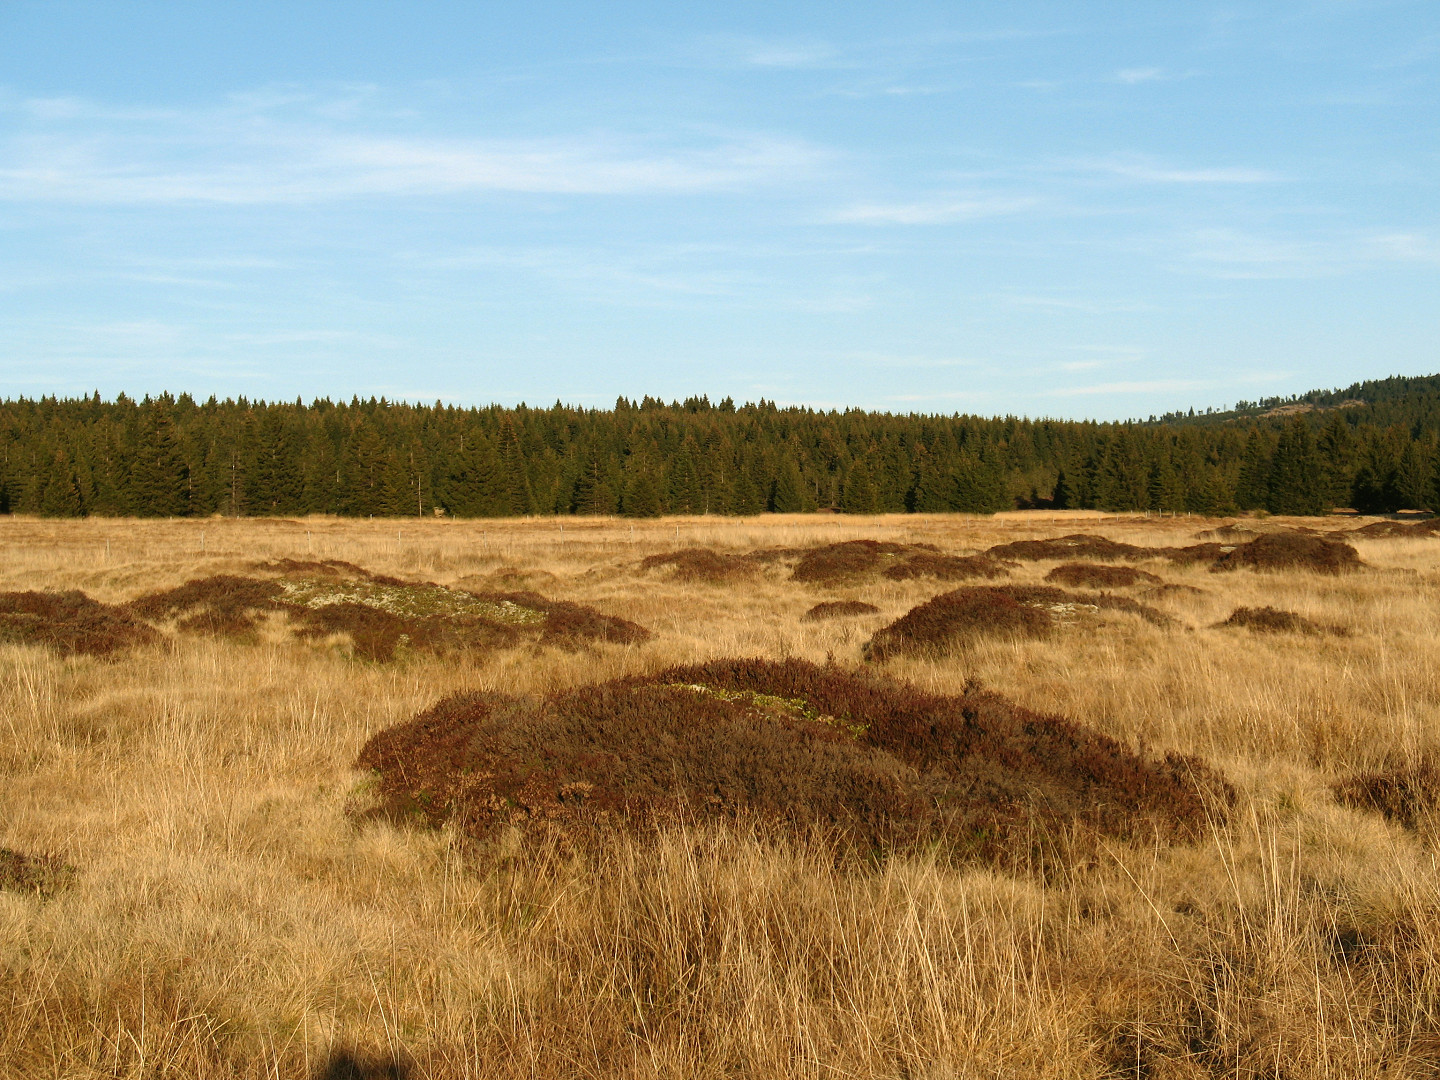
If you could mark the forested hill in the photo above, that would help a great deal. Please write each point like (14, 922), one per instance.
(1371, 446)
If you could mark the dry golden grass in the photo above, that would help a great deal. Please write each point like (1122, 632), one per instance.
(227, 918)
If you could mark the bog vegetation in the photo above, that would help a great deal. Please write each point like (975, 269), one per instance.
(800, 796)
(1372, 446)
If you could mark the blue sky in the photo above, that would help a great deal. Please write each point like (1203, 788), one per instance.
(1068, 209)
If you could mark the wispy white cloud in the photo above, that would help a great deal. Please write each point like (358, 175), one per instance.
(1148, 171)
(1151, 386)
(244, 153)
(1140, 74)
(1404, 247)
(937, 212)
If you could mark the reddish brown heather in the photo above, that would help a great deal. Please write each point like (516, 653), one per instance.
(1274, 621)
(1196, 553)
(1398, 529)
(1227, 534)
(1292, 551)
(835, 562)
(838, 609)
(787, 745)
(229, 605)
(223, 604)
(1408, 794)
(1095, 576)
(1074, 546)
(700, 564)
(931, 564)
(334, 569)
(70, 623)
(42, 875)
(957, 618)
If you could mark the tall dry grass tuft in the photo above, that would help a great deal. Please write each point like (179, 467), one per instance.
(226, 917)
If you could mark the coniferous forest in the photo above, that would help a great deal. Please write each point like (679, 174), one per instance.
(1372, 446)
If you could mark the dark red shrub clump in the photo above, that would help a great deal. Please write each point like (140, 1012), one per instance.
(1274, 621)
(1292, 551)
(836, 562)
(957, 618)
(1074, 546)
(1094, 576)
(788, 746)
(838, 609)
(930, 564)
(700, 564)
(1407, 794)
(70, 623)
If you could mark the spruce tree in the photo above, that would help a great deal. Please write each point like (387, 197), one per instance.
(160, 478)
(1252, 488)
(857, 495)
(1295, 485)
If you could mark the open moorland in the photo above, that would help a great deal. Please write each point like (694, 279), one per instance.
(1037, 795)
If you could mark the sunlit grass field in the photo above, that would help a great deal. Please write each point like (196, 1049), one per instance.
(226, 913)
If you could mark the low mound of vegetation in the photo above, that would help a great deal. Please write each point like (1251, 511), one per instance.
(1196, 553)
(38, 875)
(838, 609)
(1385, 530)
(850, 558)
(789, 746)
(1292, 551)
(1269, 620)
(957, 618)
(1074, 546)
(930, 564)
(71, 623)
(1407, 794)
(834, 563)
(1227, 534)
(1097, 576)
(700, 564)
(1169, 589)
(382, 616)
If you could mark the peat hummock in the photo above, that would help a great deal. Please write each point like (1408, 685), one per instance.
(71, 623)
(789, 746)
(965, 615)
(382, 617)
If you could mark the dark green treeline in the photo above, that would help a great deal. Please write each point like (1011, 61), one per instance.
(178, 457)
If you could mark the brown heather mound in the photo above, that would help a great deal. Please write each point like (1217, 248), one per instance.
(337, 569)
(383, 617)
(1274, 621)
(1227, 534)
(1379, 530)
(945, 567)
(838, 609)
(1196, 553)
(787, 745)
(70, 623)
(1093, 576)
(41, 875)
(1074, 546)
(1407, 794)
(955, 619)
(1292, 551)
(1159, 592)
(834, 563)
(850, 558)
(223, 604)
(700, 564)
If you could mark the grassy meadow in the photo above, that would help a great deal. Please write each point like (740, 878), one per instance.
(221, 911)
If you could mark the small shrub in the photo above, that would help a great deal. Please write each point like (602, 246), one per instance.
(1407, 794)
(39, 875)
(1292, 551)
(956, 618)
(1378, 530)
(838, 609)
(700, 564)
(1271, 620)
(870, 763)
(1074, 546)
(1093, 576)
(929, 564)
(70, 623)
(836, 562)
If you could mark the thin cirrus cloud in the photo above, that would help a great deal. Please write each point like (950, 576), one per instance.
(1147, 171)
(937, 212)
(73, 155)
